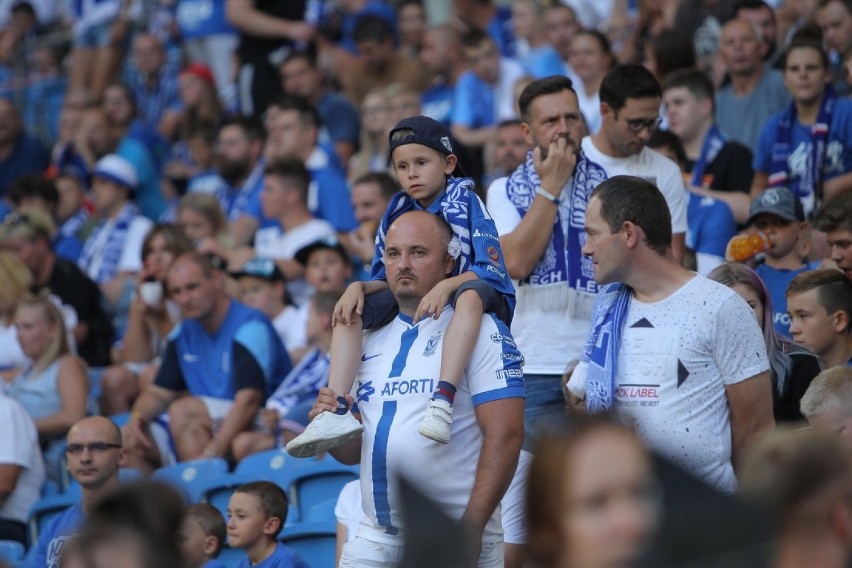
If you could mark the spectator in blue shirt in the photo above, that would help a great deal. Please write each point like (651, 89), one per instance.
(155, 85)
(19, 154)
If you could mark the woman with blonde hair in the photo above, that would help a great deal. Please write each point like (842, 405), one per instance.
(375, 126)
(201, 217)
(15, 282)
(55, 385)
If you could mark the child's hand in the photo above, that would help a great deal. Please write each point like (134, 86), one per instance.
(351, 302)
(270, 417)
(433, 303)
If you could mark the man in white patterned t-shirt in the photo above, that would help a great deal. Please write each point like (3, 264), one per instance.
(399, 370)
(687, 362)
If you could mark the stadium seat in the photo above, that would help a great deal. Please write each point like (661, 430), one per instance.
(11, 551)
(322, 512)
(46, 509)
(187, 476)
(312, 481)
(316, 543)
(266, 465)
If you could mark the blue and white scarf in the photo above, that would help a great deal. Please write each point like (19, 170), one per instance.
(74, 223)
(811, 180)
(111, 251)
(453, 209)
(596, 372)
(714, 141)
(563, 260)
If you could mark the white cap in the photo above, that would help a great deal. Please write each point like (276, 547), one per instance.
(114, 168)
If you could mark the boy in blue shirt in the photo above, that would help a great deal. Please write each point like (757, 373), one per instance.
(421, 151)
(257, 512)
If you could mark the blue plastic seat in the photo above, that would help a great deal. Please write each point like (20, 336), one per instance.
(316, 543)
(187, 476)
(46, 509)
(11, 550)
(322, 512)
(267, 465)
(312, 481)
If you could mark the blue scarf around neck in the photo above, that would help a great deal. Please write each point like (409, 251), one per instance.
(714, 141)
(112, 250)
(811, 181)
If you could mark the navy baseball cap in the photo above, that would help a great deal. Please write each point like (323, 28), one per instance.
(778, 201)
(427, 132)
(304, 253)
(260, 267)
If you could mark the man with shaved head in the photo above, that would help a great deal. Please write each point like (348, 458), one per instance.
(94, 456)
(399, 371)
(755, 92)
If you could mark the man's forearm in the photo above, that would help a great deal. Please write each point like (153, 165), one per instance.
(523, 247)
(152, 402)
(498, 460)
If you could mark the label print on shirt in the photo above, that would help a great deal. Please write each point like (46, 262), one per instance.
(648, 358)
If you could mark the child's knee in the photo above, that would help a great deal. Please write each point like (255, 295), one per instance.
(469, 302)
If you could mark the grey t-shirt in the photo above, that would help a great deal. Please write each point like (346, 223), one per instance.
(742, 118)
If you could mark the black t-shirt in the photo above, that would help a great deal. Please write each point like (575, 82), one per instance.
(805, 368)
(731, 170)
(255, 49)
(74, 288)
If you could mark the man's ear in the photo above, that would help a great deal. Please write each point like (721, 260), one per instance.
(633, 234)
(450, 163)
(449, 264)
(527, 134)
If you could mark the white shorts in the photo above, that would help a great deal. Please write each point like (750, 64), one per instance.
(363, 553)
(513, 506)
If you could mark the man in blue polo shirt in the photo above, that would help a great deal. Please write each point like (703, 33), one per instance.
(94, 455)
(226, 356)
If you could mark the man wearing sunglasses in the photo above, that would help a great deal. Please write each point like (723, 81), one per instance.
(630, 112)
(94, 456)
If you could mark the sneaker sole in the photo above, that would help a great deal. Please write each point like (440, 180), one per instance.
(433, 435)
(310, 448)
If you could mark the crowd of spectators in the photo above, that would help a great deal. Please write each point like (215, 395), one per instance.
(188, 186)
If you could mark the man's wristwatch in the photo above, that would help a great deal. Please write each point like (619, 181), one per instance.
(549, 196)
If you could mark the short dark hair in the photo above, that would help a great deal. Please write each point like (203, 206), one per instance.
(834, 290)
(672, 50)
(292, 168)
(307, 112)
(251, 126)
(373, 28)
(668, 139)
(630, 198)
(540, 87)
(387, 186)
(807, 43)
(752, 5)
(628, 81)
(211, 522)
(835, 214)
(696, 82)
(273, 500)
(324, 302)
(474, 37)
(33, 186)
(308, 54)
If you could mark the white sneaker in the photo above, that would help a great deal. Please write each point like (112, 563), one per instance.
(326, 431)
(436, 424)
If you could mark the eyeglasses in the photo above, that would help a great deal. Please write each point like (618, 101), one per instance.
(94, 447)
(636, 125)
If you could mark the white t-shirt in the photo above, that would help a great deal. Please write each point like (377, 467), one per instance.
(131, 255)
(398, 374)
(275, 243)
(348, 509)
(504, 99)
(19, 446)
(590, 106)
(548, 338)
(676, 358)
(290, 325)
(652, 166)
(11, 356)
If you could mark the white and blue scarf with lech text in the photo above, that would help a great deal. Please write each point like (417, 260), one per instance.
(563, 261)
(111, 250)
